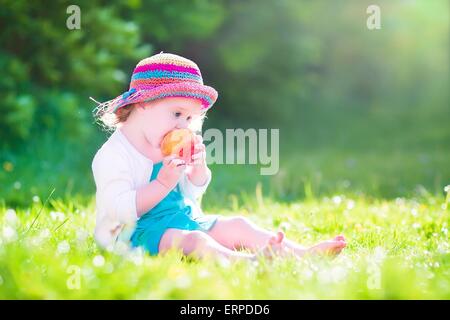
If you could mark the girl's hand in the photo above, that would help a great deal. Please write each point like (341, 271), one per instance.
(198, 171)
(171, 171)
(199, 156)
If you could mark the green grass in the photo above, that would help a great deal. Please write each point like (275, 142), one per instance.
(397, 249)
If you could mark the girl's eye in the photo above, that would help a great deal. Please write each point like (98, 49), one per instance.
(177, 114)
(189, 118)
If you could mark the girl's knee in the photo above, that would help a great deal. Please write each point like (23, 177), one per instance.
(239, 222)
(186, 240)
(193, 239)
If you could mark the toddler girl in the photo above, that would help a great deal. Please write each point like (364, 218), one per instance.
(152, 201)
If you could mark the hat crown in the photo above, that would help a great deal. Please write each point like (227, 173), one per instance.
(162, 69)
(161, 76)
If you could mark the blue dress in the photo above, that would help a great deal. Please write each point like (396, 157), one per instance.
(170, 212)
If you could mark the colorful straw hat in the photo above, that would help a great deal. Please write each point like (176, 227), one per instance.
(160, 76)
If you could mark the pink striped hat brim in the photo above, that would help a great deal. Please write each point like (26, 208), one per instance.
(206, 94)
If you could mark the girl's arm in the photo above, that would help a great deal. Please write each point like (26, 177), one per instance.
(152, 193)
(149, 196)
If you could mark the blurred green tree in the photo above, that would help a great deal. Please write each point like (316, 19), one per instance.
(50, 71)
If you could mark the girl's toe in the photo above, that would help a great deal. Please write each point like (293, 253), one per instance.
(280, 236)
(277, 238)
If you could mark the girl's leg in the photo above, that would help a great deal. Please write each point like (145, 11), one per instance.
(239, 232)
(198, 244)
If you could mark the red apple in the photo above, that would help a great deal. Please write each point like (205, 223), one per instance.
(177, 142)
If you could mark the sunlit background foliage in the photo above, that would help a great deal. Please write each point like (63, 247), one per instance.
(364, 136)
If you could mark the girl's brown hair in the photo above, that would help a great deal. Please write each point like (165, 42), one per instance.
(123, 113)
(110, 121)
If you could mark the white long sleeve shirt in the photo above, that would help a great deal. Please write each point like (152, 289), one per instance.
(119, 169)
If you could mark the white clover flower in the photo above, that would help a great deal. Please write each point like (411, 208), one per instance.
(45, 233)
(379, 254)
(98, 261)
(82, 235)
(183, 282)
(9, 234)
(63, 247)
(11, 217)
(337, 199)
(137, 256)
(203, 273)
(338, 273)
(350, 204)
(58, 216)
(36, 241)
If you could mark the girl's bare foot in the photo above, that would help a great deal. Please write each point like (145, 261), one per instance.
(331, 247)
(276, 247)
